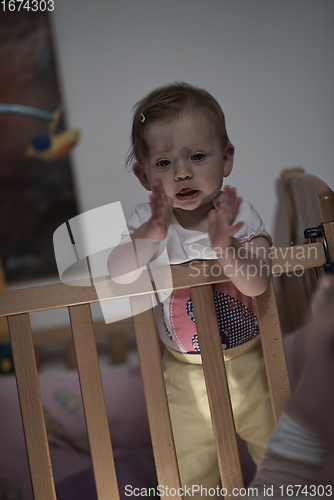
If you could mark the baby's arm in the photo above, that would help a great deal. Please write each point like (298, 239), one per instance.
(246, 264)
(127, 261)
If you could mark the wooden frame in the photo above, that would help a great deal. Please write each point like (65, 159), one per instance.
(17, 305)
(304, 201)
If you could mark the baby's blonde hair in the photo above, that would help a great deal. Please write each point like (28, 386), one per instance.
(166, 103)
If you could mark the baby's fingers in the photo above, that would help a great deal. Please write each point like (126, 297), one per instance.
(158, 188)
(237, 203)
(212, 215)
(236, 227)
(230, 204)
(158, 198)
(230, 194)
(153, 203)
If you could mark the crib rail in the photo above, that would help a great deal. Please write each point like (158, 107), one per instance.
(41, 298)
(17, 304)
(304, 201)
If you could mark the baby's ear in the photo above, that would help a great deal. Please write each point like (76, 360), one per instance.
(228, 159)
(139, 172)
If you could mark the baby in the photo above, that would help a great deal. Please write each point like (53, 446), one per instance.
(181, 152)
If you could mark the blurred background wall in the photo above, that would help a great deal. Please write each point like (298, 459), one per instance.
(268, 63)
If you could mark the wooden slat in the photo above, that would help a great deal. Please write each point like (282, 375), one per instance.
(217, 387)
(31, 407)
(286, 207)
(273, 349)
(93, 402)
(155, 392)
(329, 233)
(183, 276)
(70, 355)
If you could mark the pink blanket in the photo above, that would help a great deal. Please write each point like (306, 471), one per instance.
(62, 401)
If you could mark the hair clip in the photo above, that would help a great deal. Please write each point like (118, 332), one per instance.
(142, 118)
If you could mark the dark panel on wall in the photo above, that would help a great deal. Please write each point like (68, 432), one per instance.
(36, 196)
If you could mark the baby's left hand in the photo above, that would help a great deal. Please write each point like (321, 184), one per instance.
(221, 228)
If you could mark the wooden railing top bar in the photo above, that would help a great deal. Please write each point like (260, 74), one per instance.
(55, 296)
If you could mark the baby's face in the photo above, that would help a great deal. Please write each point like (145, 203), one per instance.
(187, 155)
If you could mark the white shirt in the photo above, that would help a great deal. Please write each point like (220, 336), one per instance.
(235, 311)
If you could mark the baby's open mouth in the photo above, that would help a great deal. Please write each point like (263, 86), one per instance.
(187, 193)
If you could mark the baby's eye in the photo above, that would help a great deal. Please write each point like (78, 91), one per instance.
(198, 156)
(163, 163)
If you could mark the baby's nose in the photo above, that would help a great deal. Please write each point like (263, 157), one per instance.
(183, 171)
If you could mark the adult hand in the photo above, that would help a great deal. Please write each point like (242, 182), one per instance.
(313, 400)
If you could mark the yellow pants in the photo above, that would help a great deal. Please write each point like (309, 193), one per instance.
(190, 413)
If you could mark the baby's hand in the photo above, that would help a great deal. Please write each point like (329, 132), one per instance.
(221, 228)
(162, 210)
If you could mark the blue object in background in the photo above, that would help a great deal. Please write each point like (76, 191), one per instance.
(41, 142)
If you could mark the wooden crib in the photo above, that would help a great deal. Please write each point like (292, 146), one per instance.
(304, 201)
(17, 305)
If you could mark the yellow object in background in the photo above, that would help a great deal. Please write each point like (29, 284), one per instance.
(6, 365)
(55, 147)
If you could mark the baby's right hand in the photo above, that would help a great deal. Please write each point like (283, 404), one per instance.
(162, 210)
